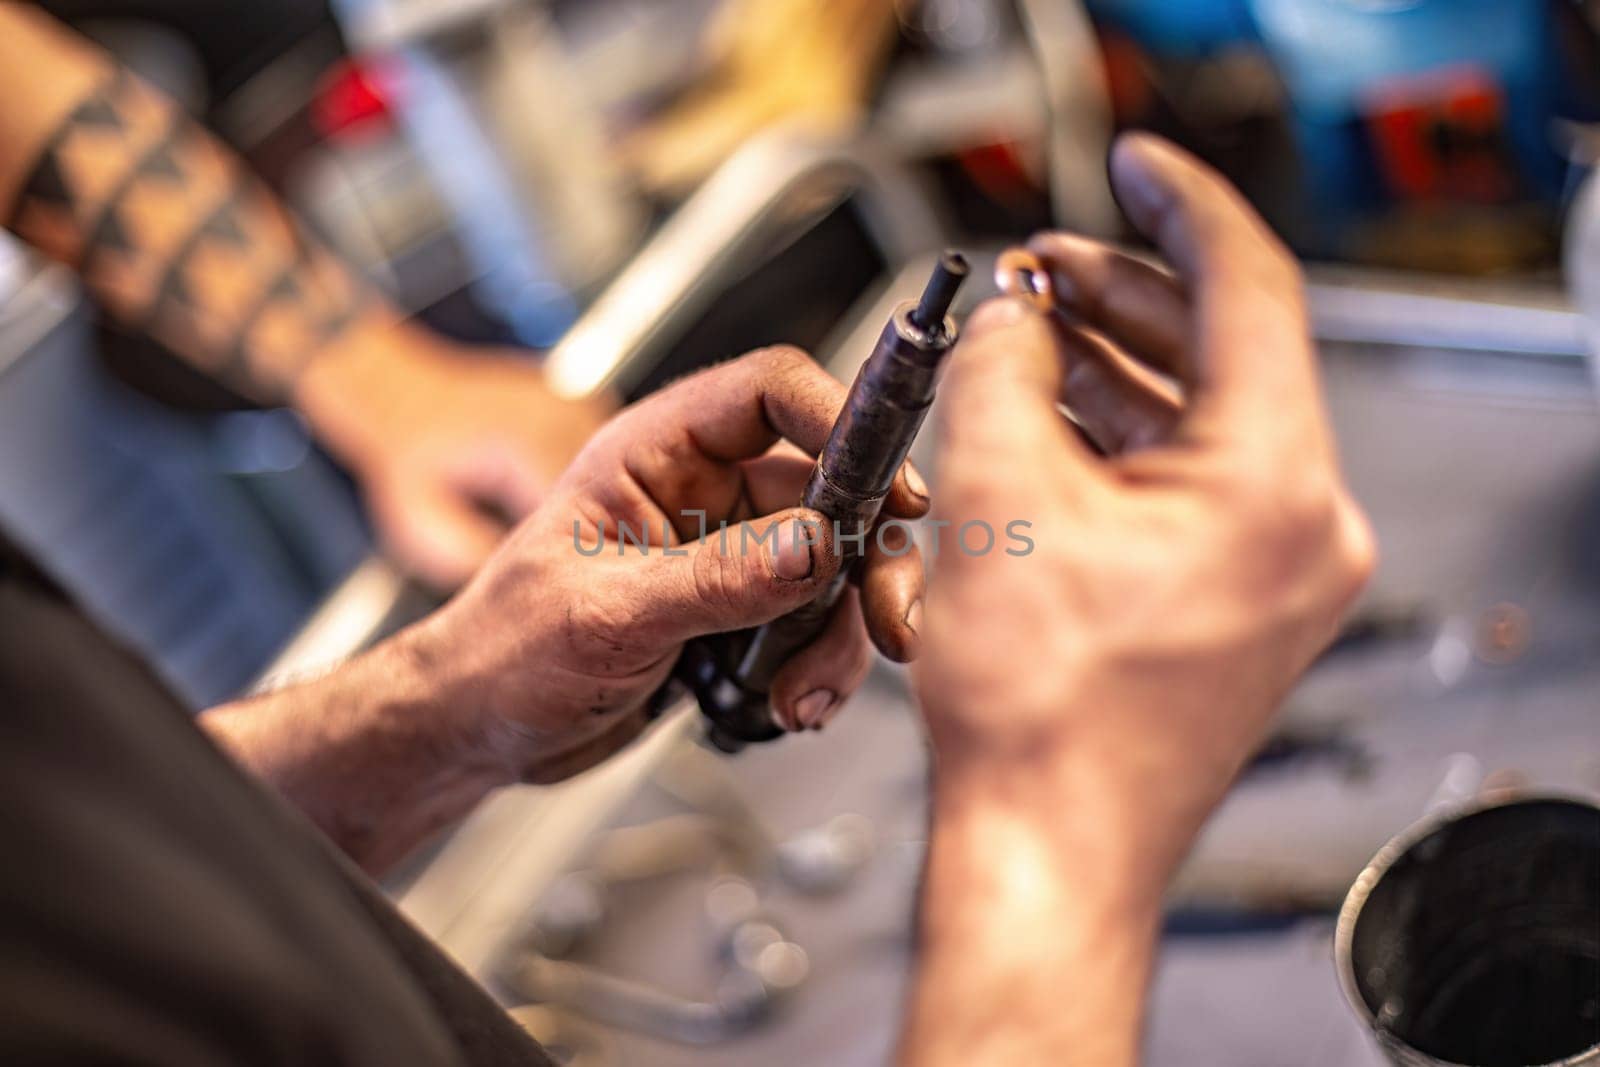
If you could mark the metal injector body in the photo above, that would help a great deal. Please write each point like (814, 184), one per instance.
(731, 674)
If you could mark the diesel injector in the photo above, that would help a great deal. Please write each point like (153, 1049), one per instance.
(731, 674)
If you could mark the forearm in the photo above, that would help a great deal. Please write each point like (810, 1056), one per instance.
(171, 235)
(380, 754)
(1038, 924)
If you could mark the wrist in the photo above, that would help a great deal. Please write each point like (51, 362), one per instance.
(372, 383)
(1106, 758)
(1068, 805)
(1028, 891)
(467, 723)
(380, 753)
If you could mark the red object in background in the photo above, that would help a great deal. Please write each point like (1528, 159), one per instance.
(1000, 172)
(1128, 83)
(351, 100)
(1441, 136)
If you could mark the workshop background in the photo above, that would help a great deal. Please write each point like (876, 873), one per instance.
(639, 187)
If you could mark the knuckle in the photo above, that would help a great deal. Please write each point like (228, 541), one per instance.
(1308, 534)
(785, 360)
(1310, 512)
(1290, 516)
(1358, 549)
(844, 653)
(1251, 485)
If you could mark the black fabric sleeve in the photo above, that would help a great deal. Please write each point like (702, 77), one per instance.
(159, 907)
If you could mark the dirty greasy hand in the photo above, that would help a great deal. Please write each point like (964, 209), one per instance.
(560, 640)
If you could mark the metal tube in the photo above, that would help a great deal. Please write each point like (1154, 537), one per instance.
(731, 674)
(940, 293)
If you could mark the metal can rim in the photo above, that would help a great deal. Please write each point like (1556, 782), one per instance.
(1398, 845)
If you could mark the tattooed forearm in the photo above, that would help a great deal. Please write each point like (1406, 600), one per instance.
(174, 239)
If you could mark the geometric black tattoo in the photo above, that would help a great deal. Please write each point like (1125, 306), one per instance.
(173, 239)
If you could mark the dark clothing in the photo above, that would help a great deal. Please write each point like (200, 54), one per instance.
(159, 907)
(233, 39)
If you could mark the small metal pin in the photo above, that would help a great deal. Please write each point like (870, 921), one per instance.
(1019, 272)
(951, 271)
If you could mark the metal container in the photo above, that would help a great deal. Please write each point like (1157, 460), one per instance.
(1473, 938)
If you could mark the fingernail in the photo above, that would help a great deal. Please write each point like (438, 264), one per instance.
(914, 482)
(1063, 290)
(913, 618)
(786, 721)
(789, 553)
(828, 716)
(1131, 171)
(1066, 292)
(812, 709)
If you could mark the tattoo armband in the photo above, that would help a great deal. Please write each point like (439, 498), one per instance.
(172, 238)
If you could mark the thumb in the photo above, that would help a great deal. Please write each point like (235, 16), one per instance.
(736, 577)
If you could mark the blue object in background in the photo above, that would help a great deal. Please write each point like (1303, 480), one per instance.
(1333, 54)
(1178, 28)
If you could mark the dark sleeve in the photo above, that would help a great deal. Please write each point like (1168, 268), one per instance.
(158, 907)
(233, 39)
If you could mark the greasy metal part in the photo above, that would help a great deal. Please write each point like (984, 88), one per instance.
(731, 674)
(1018, 272)
(948, 274)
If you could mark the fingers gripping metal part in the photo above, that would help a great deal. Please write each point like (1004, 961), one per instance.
(731, 674)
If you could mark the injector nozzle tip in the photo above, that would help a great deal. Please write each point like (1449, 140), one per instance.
(948, 274)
